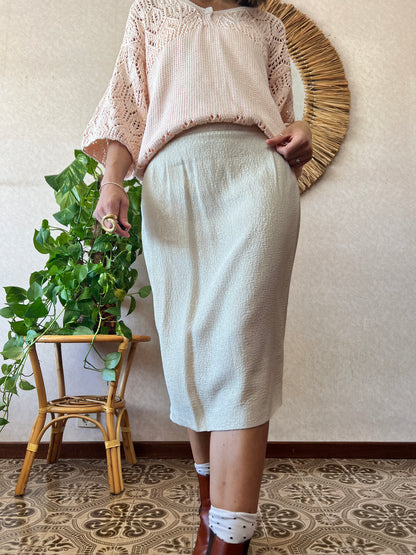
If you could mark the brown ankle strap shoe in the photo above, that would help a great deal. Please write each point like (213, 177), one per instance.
(220, 547)
(202, 538)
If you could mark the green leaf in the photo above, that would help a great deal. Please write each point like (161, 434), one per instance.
(41, 241)
(103, 280)
(53, 327)
(102, 243)
(19, 309)
(6, 368)
(81, 156)
(80, 272)
(6, 312)
(35, 291)
(86, 307)
(67, 279)
(26, 386)
(55, 269)
(95, 315)
(83, 330)
(72, 176)
(19, 327)
(112, 359)
(114, 310)
(51, 181)
(64, 330)
(66, 216)
(65, 295)
(122, 329)
(95, 270)
(134, 194)
(108, 375)
(120, 294)
(39, 277)
(15, 294)
(3, 421)
(64, 199)
(75, 251)
(85, 295)
(36, 310)
(10, 385)
(145, 291)
(50, 292)
(12, 353)
(132, 306)
(71, 315)
(31, 336)
(88, 162)
(14, 342)
(109, 299)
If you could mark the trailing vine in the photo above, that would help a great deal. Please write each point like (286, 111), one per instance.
(80, 290)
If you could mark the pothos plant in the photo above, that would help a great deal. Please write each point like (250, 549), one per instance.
(87, 276)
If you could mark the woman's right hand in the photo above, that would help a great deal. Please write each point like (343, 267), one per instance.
(113, 201)
(113, 198)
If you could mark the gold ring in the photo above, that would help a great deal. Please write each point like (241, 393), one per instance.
(112, 218)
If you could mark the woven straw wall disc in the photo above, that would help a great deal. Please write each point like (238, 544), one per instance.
(327, 96)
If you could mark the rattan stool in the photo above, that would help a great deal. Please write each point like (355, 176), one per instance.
(65, 407)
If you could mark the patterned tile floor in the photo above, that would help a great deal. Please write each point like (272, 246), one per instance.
(308, 506)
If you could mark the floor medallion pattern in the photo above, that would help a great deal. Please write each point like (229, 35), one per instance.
(307, 507)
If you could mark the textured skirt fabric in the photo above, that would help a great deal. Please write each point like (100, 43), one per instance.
(220, 227)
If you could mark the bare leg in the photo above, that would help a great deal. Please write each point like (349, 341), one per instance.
(200, 444)
(237, 462)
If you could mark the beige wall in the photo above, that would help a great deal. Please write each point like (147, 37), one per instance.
(351, 347)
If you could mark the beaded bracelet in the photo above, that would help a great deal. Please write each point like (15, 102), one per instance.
(113, 183)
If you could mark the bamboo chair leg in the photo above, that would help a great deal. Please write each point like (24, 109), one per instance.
(127, 439)
(112, 446)
(24, 473)
(115, 478)
(55, 443)
(116, 462)
(110, 470)
(31, 450)
(119, 469)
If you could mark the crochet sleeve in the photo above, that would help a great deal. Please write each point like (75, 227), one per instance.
(121, 113)
(279, 72)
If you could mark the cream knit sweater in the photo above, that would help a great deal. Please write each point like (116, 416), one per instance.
(181, 65)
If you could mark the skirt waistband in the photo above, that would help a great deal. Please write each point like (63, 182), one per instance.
(222, 127)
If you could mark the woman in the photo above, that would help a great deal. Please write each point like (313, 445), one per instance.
(200, 109)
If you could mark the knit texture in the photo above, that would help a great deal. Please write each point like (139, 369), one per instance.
(180, 66)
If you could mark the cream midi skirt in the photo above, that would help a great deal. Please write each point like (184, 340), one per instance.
(220, 227)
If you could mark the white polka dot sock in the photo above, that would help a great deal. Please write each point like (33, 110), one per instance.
(232, 527)
(202, 469)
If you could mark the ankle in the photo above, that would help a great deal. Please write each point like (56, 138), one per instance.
(232, 527)
(203, 469)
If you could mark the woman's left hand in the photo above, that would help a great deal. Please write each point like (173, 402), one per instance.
(295, 145)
